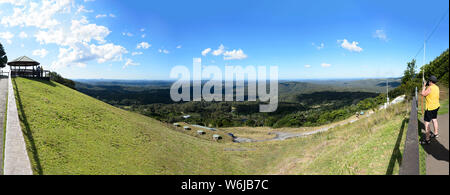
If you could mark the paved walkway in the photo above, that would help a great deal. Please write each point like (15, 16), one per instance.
(437, 158)
(16, 160)
(3, 94)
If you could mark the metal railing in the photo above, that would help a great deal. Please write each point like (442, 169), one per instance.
(410, 162)
(3, 73)
(30, 73)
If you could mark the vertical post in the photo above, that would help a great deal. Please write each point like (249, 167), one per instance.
(417, 102)
(387, 91)
(423, 70)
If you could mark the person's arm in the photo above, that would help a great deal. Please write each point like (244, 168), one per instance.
(425, 91)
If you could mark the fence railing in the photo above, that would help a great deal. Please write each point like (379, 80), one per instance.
(410, 162)
(3, 73)
(31, 73)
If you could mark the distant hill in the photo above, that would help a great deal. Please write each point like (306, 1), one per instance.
(149, 92)
(363, 85)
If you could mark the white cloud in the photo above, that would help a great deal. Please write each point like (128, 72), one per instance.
(81, 53)
(319, 47)
(143, 45)
(127, 34)
(14, 2)
(107, 52)
(219, 51)
(228, 55)
(81, 9)
(179, 46)
(80, 31)
(143, 35)
(350, 46)
(101, 16)
(85, 31)
(105, 15)
(79, 41)
(307, 66)
(381, 35)
(234, 55)
(206, 51)
(7, 36)
(23, 35)
(136, 53)
(130, 62)
(325, 65)
(40, 52)
(142, 29)
(40, 15)
(163, 51)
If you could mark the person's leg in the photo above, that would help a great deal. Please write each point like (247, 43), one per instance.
(427, 130)
(436, 126)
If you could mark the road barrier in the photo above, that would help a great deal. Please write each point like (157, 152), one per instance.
(410, 161)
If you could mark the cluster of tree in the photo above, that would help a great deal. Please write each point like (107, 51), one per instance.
(126, 95)
(3, 57)
(54, 76)
(300, 105)
(309, 109)
(412, 79)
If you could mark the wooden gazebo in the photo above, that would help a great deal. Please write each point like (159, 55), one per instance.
(26, 67)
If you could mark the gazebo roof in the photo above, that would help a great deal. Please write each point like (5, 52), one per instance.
(23, 61)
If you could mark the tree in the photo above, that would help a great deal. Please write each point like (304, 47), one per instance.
(54, 76)
(408, 78)
(3, 57)
(410, 72)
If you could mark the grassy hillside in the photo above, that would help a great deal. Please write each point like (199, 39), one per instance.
(71, 133)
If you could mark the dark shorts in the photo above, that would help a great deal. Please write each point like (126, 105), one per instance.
(430, 115)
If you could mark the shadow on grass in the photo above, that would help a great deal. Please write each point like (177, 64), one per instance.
(435, 148)
(27, 131)
(396, 153)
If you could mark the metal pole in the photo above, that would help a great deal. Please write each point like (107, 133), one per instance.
(387, 91)
(417, 102)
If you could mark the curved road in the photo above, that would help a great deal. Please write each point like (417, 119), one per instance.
(286, 135)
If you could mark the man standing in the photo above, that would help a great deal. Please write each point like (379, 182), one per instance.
(431, 94)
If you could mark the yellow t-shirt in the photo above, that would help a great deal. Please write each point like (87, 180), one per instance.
(432, 99)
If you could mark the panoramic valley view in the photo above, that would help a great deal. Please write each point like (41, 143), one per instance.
(98, 87)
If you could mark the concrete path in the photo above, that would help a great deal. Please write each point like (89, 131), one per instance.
(16, 160)
(3, 94)
(437, 158)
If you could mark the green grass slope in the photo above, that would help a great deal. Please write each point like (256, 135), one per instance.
(68, 132)
(370, 146)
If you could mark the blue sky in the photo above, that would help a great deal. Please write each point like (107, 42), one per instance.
(145, 39)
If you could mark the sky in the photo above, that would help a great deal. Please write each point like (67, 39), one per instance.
(95, 39)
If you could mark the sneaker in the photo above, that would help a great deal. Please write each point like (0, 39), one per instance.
(425, 142)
